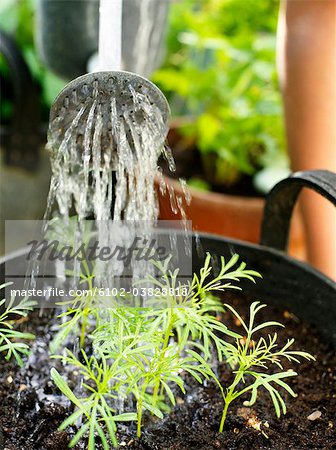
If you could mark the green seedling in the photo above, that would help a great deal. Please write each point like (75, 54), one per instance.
(190, 316)
(130, 364)
(79, 311)
(97, 416)
(71, 235)
(251, 360)
(141, 353)
(161, 371)
(11, 340)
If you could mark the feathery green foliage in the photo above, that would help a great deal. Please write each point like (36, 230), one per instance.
(140, 355)
(11, 340)
(78, 311)
(251, 360)
(94, 410)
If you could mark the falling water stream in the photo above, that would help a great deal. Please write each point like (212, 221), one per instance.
(94, 180)
(104, 164)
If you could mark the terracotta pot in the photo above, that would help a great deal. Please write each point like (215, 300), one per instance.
(231, 216)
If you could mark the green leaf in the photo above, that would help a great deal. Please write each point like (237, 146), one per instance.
(208, 128)
(267, 324)
(125, 417)
(72, 419)
(109, 422)
(235, 313)
(169, 393)
(92, 429)
(64, 388)
(153, 409)
(80, 433)
(104, 439)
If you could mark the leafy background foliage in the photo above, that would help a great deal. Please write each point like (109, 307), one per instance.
(221, 69)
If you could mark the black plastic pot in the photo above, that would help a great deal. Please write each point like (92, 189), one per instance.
(287, 282)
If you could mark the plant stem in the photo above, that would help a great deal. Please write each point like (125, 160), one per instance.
(229, 397)
(169, 330)
(86, 309)
(164, 348)
(139, 417)
(83, 327)
(139, 408)
(155, 392)
(226, 407)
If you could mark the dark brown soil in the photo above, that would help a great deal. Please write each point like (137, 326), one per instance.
(31, 409)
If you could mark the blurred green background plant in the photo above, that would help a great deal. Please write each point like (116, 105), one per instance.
(220, 70)
(17, 18)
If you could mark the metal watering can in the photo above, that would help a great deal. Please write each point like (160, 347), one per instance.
(67, 34)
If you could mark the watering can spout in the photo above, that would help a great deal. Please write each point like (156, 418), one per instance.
(67, 35)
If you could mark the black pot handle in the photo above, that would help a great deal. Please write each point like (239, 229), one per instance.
(282, 198)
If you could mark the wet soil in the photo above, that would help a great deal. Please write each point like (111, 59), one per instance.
(31, 408)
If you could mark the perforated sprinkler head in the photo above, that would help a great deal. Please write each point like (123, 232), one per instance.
(121, 99)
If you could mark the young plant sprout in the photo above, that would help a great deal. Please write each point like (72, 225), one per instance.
(94, 410)
(189, 312)
(131, 361)
(251, 359)
(10, 339)
(78, 312)
(139, 354)
(69, 235)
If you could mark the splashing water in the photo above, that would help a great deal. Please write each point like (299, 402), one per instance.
(116, 183)
(104, 166)
(105, 136)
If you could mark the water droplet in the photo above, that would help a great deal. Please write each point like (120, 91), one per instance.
(168, 155)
